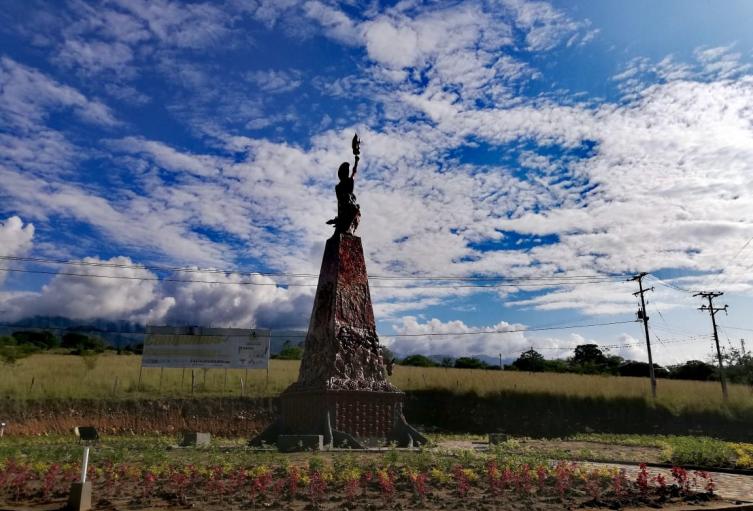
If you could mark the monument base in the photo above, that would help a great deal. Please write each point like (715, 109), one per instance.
(342, 392)
(345, 419)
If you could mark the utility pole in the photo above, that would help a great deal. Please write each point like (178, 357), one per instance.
(710, 295)
(642, 315)
(742, 347)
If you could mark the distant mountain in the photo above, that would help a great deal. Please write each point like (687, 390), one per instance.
(115, 333)
(492, 361)
(120, 334)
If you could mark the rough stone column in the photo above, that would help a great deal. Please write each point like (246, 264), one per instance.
(342, 392)
(342, 348)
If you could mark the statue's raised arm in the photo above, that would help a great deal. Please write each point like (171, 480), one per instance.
(356, 144)
(348, 211)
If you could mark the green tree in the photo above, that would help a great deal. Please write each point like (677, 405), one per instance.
(291, 353)
(530, 360)
(614, 363)
(640, 369)
(44, 339)
(738, 366)
(589, 359)
(589, 354)
(12, 353)
(80, 343)
(693, 370)
(418, 361)
(447, 362)
(470, 363)
(556, 366)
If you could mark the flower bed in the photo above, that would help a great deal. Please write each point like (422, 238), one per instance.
(350, 483)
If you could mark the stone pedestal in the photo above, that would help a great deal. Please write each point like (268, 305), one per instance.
(342, 390)
(195, 439)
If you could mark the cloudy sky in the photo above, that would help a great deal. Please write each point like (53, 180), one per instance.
(550, 148)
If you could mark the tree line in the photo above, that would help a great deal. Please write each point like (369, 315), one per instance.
(590, 359)
(586, 359)
(23, 343)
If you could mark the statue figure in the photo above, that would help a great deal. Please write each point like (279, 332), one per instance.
(348, 210)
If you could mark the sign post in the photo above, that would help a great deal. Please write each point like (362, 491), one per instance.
(80, 498)
(206, 348)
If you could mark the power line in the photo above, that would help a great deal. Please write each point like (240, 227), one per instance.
(297, 284)
(674, 335)
(670, 285)
(738, 328)
(146, 267)
(605, 276)
(537, 348)
(429, 334)
(483, 332)
(721, 272)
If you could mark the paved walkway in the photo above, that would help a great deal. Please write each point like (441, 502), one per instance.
(728, 486)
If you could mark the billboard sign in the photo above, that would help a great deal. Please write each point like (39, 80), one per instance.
(229, 348)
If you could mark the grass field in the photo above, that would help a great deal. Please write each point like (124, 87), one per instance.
(110, 376)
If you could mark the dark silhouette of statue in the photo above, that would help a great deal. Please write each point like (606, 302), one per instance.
(348, 211)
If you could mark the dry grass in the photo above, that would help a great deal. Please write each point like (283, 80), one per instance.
(676, 395)
(112, 376)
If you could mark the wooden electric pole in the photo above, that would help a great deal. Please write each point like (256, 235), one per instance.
(710, 295)
(642, 315)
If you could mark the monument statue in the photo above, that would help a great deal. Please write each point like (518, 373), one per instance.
(348, 211)
(342, 392)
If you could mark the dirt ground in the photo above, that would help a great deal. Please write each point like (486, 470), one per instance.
(436, 500)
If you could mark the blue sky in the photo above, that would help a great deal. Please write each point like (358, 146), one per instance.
(524, 140)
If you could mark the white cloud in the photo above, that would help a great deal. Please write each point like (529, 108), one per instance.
(394, 46)
(335, 23)
(15, 240)
(275, 81)
(193, 297)
(510, 345)
(168, 158)
(543, 25)
(28, 96)
(463, 341)
(232, 303)
(721, 62)
(96, 56)
(15, 237)
(89, 298)
(186, 25)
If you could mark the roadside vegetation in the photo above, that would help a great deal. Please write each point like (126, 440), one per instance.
(590, 359)
(109, 376)
(684, 450)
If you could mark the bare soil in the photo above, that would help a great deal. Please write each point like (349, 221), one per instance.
(227, 417)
